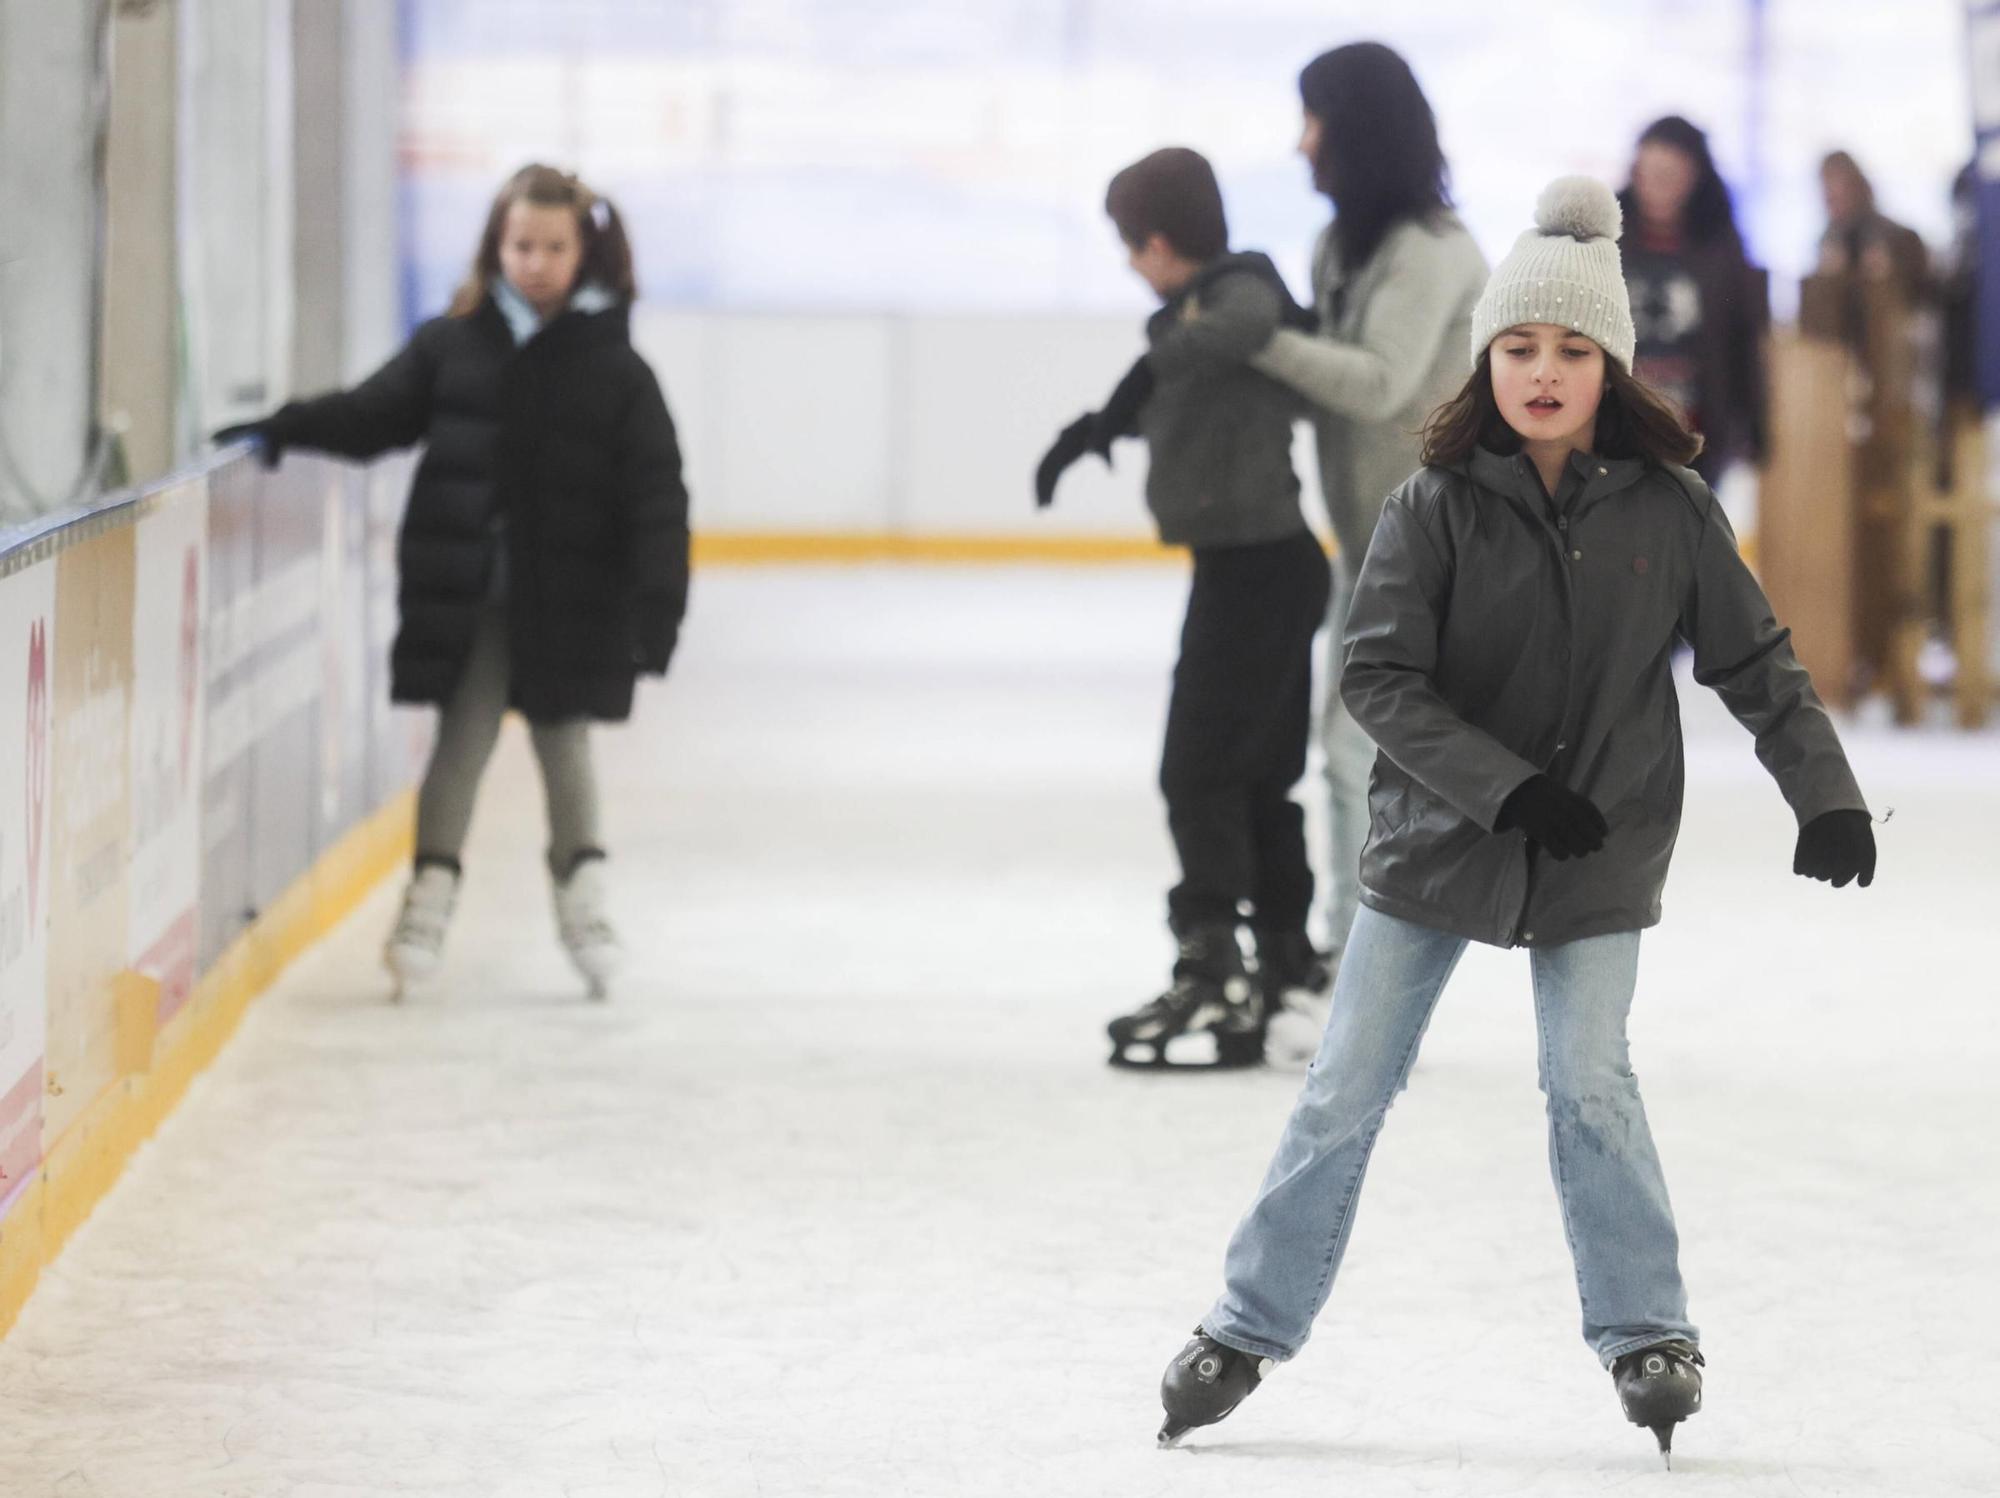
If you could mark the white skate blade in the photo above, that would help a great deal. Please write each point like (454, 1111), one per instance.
(410, 969)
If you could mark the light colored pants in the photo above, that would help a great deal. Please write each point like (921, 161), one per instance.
(1350, 755)
(1282, 1261)
(467, 729)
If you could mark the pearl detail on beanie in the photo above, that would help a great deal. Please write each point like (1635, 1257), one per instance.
(1565, 270)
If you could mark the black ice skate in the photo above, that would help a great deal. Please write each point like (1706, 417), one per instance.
(1288, 963)
(1660, 1387)
(1211, 994)
(1204, 1382)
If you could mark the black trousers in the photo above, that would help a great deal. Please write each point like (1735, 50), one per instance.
(1236, 734)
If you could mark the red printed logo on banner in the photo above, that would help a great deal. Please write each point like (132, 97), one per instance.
(190, 650)
(38, 755)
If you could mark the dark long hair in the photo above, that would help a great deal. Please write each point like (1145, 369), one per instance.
(1379, 158)
(1633, 421)
(607, 253)
(1707, 217)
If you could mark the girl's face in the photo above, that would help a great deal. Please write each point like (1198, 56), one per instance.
(1662, 182)
(1548, 382)
(540, 250)
(1309, 141)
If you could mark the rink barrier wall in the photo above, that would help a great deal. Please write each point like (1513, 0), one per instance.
(792, 548)
(201, 776)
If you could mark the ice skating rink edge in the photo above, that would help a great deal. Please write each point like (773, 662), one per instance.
(87, 1160)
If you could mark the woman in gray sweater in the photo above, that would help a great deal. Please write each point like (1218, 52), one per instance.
(1395, 277)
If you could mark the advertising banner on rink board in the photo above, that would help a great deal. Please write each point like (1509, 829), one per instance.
(227, 646)
(286, 675)
(90, 832)
(169, 604)
(399, 738)
(27, 638)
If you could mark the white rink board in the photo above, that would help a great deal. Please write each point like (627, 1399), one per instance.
(838, 1197)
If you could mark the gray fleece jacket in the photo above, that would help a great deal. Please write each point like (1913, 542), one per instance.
(1219, 434)
(1392, 348)
(1498, 633)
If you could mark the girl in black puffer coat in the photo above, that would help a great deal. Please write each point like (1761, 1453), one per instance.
(544, 551)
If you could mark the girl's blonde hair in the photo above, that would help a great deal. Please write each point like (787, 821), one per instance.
(607, 253)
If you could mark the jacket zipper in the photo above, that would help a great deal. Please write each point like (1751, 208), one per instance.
(1569, 693)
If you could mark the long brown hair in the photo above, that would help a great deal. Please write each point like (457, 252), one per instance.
(1633, 421)
(607, 253)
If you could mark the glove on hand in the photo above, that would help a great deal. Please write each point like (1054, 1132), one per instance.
(259, 435)
(1074, 442)
(1556, 818)
(1837, 846)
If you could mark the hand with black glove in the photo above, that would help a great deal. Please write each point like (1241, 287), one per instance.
(1073, 443)
(1558, 820)
(270, 450)
(1837, 846)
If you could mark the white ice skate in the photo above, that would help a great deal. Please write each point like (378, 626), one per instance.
(1292, 1038)
(416, 944)
(1297, 984)
(585, 926)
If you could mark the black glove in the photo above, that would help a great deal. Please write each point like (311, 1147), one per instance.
(1837, 846)
(1074, 442)
(1562, 823)
(260, 435)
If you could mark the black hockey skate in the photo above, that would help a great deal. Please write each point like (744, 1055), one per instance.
(1288, 962)
(1204, 1382)
(1210, 994)
(1660, 1387)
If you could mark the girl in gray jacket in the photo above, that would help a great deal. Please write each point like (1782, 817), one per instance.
(1510, 652)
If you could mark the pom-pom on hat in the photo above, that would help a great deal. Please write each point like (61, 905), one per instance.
(1564, 271)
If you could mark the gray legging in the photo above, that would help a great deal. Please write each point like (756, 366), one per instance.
(466, 732)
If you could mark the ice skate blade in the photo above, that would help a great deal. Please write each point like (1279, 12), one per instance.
(1664, 1434)
(1229, 1056)
(1170, 1435)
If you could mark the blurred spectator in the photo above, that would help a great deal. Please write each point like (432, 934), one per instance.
(1700, 307)
(1860, 239)
(1395, 277)
(1958, 292)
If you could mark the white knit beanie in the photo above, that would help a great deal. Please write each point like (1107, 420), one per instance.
(1564, 271)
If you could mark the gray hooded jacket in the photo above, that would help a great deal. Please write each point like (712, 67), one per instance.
(1218, 434)
(1496, 634)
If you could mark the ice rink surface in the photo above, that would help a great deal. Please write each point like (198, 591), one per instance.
(837, 1195)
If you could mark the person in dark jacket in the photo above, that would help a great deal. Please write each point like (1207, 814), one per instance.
(543, 556)
(1863, 244)
(1701, 310)
(1510, 652)
(1220, 481)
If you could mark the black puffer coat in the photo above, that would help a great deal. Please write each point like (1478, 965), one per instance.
(560, 450)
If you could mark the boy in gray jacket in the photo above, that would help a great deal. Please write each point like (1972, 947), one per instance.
(1221, 483)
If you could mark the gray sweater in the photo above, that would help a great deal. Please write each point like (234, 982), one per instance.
(1392, 348)
(1219, 434)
